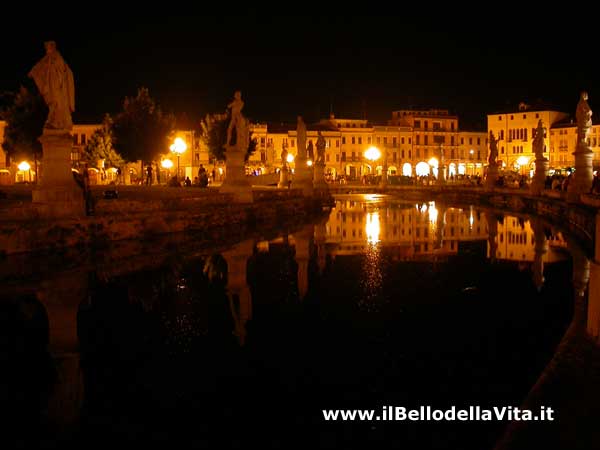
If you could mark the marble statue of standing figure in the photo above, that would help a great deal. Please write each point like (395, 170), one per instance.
(54, 79)
(301, 137)
(236, 113)
(493, 149)
(538, 141)
(584, 117)
(320, 148)
(284, 161)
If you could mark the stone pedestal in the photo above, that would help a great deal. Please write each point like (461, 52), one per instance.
(581, 180)
(303, 176)
(441, 179)
(539, 177)
(319, 182)
(284, 178)
(235, 181)
(57, 195)
(492, 176)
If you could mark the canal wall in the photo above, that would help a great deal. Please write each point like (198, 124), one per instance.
(23, 230)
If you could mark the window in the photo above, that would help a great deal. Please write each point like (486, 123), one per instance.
(197, 156)
(402, 140)
(511, 117)
(426, 140)
(353, 140)
(525, 134)
(524, 116)
(343, 139)
(385, 140)
(426, 125)
(470, 141)
(337, 143)
(343, 156)
(478, 141)
(409, 140)
(537, 116)
(378, 140)
(417, 124)
(452, 154)
(369, 140)
(293, 142)
(451, 140)
(436, 126)
(452, 126)
(402, 154)
(418, 140)
(410, 154)
(499, 117)
(360, 140)
(462, 141)
(394, 156)
(262, 141)
(337, 157)
(75, 139)
(394, 142)
(418, 153)
(478, 154)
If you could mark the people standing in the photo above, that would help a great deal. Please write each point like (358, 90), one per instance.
(148, 175)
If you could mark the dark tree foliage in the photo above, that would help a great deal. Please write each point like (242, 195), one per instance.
(214, 136)
(25, 113)
(142, 131)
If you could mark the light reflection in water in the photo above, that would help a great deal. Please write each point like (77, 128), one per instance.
(373, 228)
(433, 213)
(372, 276)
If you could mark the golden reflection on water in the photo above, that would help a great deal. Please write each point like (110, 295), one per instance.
(373, 228)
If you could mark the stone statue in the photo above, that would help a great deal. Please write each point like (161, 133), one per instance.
(310, 153)
(54, 80)
(301, 137)
(538, 141)
(284, 155)
(320, 149)
(236, 113)
(493, 149)
(584, 117)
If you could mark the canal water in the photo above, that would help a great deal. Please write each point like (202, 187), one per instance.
(228, 345)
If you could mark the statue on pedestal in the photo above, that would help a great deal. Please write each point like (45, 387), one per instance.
(54, 79)
(301, 137)
(320, 149)
(584, 118)
(538, 142)
(492, 159)
(236, 114)
(284, 155)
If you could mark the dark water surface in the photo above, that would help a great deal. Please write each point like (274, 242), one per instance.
(378, 303)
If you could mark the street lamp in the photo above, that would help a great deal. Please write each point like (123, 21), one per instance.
(178, 147)
(373, 154)
(167, 164)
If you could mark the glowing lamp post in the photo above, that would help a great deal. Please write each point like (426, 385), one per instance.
(167, 164)
(373, 154)
(178, 147)
(25, 167)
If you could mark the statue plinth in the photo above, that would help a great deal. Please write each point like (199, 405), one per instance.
(319, 182)
(303, 177)
(284, 178)
(492, 176)
(539, 177)
(581, 180)
(441, 178)
(57, 196)
(235, 181)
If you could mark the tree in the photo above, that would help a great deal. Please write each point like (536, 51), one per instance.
(25, 114)
(214, 136)
(142, 131)
(100, 147)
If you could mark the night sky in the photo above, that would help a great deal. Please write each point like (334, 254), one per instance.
(289, 65)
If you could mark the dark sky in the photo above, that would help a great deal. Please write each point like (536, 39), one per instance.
(289, 65)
